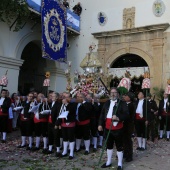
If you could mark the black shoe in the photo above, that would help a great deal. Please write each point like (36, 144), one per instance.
(99, 146)
(49, 152)
(82, 147)
(58, 154)
(86, 153)
(77, 150)
(35, 149)
(159, 138)
(3, 141)
(138, 148)
(70, 157)
(45, 150)
(28, 148)
(128, 159)
(142, 149)
(167, 139)
(20, 146)
(106, 166)
(91, 145)
(63, 155)
(94, 149)
(119, 168)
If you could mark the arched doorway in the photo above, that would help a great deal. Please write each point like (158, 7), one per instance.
(133, 63)
(31, 75)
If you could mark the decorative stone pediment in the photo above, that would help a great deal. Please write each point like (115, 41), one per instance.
(129, 18)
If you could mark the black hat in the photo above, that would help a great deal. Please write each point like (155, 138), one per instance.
(130, 95)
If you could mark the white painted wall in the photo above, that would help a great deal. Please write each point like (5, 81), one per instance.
(114, 11)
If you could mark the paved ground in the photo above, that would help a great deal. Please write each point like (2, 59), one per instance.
(157, 157)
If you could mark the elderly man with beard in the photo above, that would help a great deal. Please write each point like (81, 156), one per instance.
(114, 112)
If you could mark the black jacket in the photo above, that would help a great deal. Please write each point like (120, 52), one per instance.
(55, 110)
(84, 111)
(122, 111)
(146, 109)
(71, 107)
(26, 107)
(154, 107)
(161, 107)
(6, 105)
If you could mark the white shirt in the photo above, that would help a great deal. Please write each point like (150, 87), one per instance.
(77, 117)
(110, 112)
(140, 108)
(165, 101)
(2, 100)
(53, 103)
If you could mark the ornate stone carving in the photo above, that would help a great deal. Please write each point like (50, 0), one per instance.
(129, 18)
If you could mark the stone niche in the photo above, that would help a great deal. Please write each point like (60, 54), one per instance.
(149, 42)
(129, 18)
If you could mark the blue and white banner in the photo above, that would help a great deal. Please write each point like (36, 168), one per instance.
(54, 38)
(73, 20)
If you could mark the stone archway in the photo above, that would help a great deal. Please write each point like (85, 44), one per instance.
(135, 51)
(147, 42)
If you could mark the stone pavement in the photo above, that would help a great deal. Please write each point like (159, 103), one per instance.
(157, 157)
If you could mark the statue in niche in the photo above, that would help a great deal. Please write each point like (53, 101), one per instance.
(129, 23)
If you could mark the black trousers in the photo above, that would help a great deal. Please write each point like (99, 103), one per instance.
(27, 127)
(83, 131)
(141, 128)
(93, 127)
(165, 121)
(3, 123)
(115, 137)
(68, 134)
(127, 139)
(54, 135)
(41, 128)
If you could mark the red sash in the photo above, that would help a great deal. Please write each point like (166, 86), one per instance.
(40, 120)
(23, 119)
(165, 113)
(49, 119)
(72, 124)
(109, 122)
(85, 122)
(138, 117)
(3, 114)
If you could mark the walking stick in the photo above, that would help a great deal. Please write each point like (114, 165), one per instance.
(146, 114)
(167, 108)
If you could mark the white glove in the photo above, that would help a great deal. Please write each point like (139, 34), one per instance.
(160, 117)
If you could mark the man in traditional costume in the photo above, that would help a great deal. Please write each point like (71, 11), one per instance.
(93, 120)
(142, 119)
(114, 112)
(68, 124)
(54, 130)
(164, 116)
(26, 122)
(5, 104)
(83, 113)
(41, 122)
(129, 127)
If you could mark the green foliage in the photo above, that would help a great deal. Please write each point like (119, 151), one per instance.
(158, 92)
(10, 10)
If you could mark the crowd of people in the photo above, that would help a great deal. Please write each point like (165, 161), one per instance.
(66, 125)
